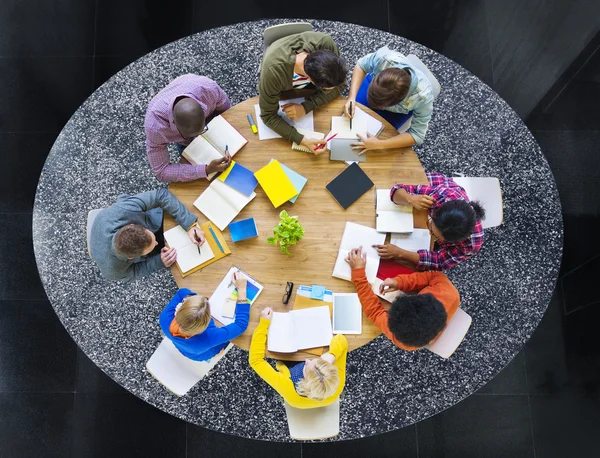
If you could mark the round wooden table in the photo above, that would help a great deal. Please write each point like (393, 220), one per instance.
(324, 220)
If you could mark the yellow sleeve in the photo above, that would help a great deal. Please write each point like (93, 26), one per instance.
(280, 383)
(339, 348)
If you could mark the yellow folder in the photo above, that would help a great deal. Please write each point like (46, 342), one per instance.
(276, 184)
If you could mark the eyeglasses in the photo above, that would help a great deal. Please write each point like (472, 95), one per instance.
(429, 224)
(288, 292)
(191, 138)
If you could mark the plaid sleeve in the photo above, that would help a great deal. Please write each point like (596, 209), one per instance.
(449, 256)
(158, 157)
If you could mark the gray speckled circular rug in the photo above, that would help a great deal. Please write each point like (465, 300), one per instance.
(505, 288)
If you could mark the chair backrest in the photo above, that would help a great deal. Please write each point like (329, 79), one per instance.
(453, 335)
(90, 221)
(487, 191)
(276, 32)
(177, 373)
(419, 65)
(318, 423)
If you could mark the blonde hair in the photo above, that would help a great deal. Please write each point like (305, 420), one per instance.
(319, 382)
(193, 316)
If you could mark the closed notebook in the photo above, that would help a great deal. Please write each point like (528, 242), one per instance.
(276, 184)
(297, 180)
(243, 229)
(239, 177)
(390, 216)
(341, 150)
(349, 185)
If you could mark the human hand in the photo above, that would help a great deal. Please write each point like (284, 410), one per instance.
(168, 256)
(420, 201)
(316, 146)
(240, 283)
(196, 235)
(389, 285)
(347, 107)
(293, 110)
(388, 251)
(218, 165)
(266, 313)
(365, 143)
(356, 258)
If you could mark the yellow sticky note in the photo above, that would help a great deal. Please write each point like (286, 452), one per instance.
(226, 172)
(275, 183)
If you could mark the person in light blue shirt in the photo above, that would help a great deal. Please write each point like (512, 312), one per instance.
(389, 84)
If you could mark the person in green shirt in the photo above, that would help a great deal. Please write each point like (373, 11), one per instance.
(308, 59)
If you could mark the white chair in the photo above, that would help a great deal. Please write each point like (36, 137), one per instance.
(276, 32)
(452, 336)
(177, 373)
(419, 65)
(318, 423)
(487, 191)
(90, 221)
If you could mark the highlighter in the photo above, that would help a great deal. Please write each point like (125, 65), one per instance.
(252, 125)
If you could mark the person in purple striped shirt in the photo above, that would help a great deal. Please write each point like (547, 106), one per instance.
(178, 114)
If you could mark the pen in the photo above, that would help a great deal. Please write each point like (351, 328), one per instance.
(197, 240)
(252, 124)
(321, 145)
(350, 111)
(215, 237)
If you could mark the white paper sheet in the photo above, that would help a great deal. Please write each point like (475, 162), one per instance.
(305, 122)
(224, 290)
(419, 239)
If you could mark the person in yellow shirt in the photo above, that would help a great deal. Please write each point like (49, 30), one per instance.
(313, 383)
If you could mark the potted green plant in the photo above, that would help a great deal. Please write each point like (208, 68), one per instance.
(287, 233)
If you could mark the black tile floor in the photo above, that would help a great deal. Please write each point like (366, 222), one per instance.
(55, 402)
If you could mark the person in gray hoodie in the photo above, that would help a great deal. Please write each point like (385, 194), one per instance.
(123, 236)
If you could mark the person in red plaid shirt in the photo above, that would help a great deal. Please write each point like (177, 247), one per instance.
(454, 222)
(178, 114)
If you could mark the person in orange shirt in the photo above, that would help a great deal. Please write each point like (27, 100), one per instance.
(413, 320)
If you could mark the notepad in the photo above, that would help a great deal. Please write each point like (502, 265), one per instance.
(341, 126)
(297, 180)
(349, 185)
(419, 239)
(308, 134)
(356, 235)
(341, 150)
(239, 177)
(305, 122)
(243, 229)
(188, 256)
(221, 203)
(276, 184)
(390, 216)
(211, 144)
(299, 329)
(226, 292)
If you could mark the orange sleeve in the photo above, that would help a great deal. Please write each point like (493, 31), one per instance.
(416, 281)
(372, 306)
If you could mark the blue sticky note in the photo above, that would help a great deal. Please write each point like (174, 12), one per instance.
(297, 180)
(317, 292)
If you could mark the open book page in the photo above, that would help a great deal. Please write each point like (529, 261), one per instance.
(340, 125)
(374, 126)
(312, 327)
(342, 268)
(221, 203)
(392, 217)
(200, 151)
(187, 253)
(419, 239)
(305, 122)
(281, 337)
(389, 297)
(307, 134)
(356, 235)
(234, 198)
(221, 133)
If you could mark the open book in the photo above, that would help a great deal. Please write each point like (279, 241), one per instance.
(361, 124)
(211, 144)
(305, 122)
(356, 235)
(390, 216)
(419, 239)
(300, 329)
(221, 203)
(188, 255)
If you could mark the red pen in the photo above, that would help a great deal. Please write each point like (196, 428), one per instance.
(321, 145)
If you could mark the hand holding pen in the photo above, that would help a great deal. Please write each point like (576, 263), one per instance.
(196, 236)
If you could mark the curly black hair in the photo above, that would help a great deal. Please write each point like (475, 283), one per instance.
(325, 68)
(456, 219)
(415, 320)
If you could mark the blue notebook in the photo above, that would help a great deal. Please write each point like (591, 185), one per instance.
(244, 229)
(297, 180)
(239, 177)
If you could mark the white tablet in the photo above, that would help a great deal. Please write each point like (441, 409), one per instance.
(347, 314)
